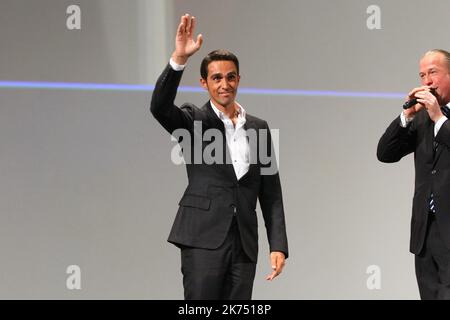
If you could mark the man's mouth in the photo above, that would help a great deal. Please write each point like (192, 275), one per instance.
(434, 92)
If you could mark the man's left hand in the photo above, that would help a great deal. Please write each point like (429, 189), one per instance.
(277, 259)
(431, 104)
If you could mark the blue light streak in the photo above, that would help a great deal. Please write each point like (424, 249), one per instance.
(190, 89)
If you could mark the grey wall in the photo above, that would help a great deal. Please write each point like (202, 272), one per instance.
(86, 176)
(119, 41)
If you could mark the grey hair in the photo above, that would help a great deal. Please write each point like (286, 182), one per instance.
(445, 53)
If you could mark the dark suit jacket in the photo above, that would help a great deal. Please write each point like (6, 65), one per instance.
(214, 195)
(432, 171)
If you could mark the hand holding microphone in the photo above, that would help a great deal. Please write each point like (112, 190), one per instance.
(423, 97)
(413, 101)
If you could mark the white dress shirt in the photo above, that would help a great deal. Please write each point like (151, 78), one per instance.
(237, 141)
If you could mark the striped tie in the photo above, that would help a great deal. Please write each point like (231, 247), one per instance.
(446, 111)
(432, 207)
(431, 204)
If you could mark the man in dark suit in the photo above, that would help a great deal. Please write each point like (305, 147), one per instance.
(425, 130)
(216, 224)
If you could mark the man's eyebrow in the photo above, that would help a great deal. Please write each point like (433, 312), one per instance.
(220, 74)
(428, 70)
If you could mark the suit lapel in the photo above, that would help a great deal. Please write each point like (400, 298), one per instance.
(428, 138)
(211, 118)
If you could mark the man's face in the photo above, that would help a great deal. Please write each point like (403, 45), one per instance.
(222, 82)
(434, 72)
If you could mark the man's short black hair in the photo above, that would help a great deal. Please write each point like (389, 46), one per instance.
(217, 55)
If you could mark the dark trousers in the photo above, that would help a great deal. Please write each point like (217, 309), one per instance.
(433, 265)
(225, 273)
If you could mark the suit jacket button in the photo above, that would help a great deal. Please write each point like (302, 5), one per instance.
(433, 172)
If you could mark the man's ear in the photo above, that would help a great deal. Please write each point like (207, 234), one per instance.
(204, 84)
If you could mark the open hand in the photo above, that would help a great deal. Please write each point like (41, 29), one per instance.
(185, 45)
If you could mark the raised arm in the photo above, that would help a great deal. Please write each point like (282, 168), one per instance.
(162, 105)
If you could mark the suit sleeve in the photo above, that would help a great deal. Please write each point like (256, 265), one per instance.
(162, 105)
(397, 141)
(271, 201)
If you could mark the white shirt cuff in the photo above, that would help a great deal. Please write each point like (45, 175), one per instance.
(175, 66)
(404, 121)
(439, 124)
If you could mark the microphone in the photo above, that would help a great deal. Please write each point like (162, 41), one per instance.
(411, 102)
(408, 104)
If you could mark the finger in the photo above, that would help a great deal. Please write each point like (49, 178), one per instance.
(280, 265)
(412, 93)
(199, 41)
(420, 94)
(273, 261)
(273, 264)
(180, 29)
(272, 276)
(423, 103)
(185, 19)
(429, 94)
(188, 24)
(182, 25)
(418, 107)
(192, 26)
(426, 95)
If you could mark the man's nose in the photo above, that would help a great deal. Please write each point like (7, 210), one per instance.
(427, 80)
(225, 83)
